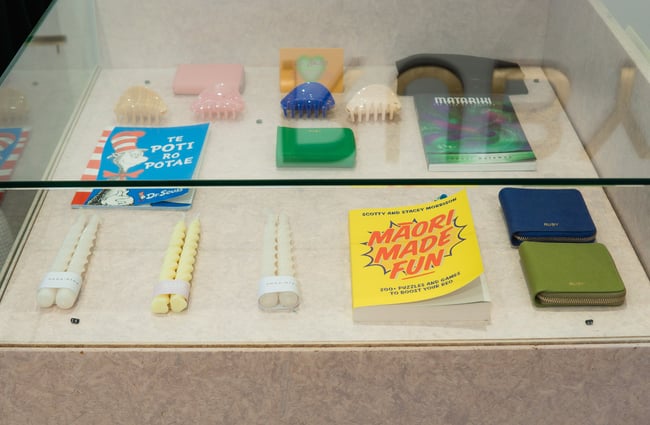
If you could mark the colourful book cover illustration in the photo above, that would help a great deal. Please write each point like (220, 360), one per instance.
(143, 153)
(472, 134)
(12, 145)
(416, 263)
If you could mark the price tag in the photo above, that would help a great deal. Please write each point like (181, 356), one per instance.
(178, 287)
(58, 280)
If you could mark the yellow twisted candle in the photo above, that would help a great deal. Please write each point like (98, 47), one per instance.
(160, 303)
(186, 264)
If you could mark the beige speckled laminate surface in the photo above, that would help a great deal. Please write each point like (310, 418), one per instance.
(113, 306)
(517, 385)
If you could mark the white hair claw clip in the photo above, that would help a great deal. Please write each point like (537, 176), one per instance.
(375, 100)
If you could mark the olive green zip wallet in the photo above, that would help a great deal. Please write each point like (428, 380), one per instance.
(571, 274)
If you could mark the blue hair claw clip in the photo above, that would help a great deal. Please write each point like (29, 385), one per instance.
(309, 99)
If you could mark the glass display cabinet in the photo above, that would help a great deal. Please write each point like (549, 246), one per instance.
(580, 89)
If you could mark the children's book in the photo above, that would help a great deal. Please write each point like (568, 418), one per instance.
(12, 145)
(472, 134)
(417, 263)
(143, 153)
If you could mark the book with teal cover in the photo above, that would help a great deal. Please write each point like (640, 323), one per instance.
(472, 134)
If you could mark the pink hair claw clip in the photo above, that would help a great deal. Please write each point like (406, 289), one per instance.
(219, 101)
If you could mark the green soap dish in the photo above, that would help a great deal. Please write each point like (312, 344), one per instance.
(315, 147)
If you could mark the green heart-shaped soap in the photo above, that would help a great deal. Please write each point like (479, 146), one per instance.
(310, 68)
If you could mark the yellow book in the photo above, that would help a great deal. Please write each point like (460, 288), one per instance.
(417, 263)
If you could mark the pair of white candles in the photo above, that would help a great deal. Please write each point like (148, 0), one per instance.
(62, 284)
(278, 288)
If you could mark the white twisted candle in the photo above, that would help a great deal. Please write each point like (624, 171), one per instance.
(285, 260)
(46, 296)
(269, 259)
(65, 298)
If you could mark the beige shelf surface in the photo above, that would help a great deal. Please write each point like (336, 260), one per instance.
(113, 307)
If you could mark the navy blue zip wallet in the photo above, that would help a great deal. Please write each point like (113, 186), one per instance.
(546, 215)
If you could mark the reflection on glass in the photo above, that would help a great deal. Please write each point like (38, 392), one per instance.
(44, 84)
(39, 93)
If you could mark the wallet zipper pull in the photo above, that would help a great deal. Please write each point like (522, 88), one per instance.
(555, 239)
(573, 300)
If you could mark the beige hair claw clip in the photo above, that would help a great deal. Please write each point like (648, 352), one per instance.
(375, 100)
(140, 105)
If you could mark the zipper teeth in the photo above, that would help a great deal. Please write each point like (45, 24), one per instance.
(554, 239)
(558, 300)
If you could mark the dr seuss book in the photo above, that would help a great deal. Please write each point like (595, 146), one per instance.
(12, 145)
(409, 261)
(472, 133)
(143, 153)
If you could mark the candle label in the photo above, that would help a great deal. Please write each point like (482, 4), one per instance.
(67, 280)
(270, 284)
(166, 287)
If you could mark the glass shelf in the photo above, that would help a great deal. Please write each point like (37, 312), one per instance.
(242, 152)
(76, 64)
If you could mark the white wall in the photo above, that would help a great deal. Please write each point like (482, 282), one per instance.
(163, 33)
(634, 13)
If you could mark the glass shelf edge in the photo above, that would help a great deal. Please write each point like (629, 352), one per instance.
(498, 181)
